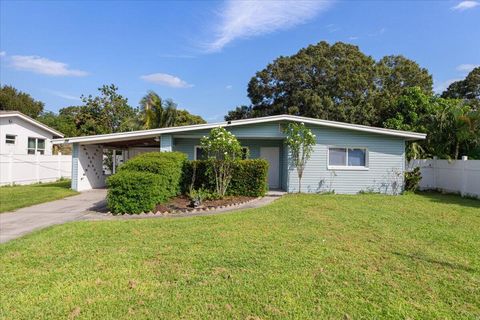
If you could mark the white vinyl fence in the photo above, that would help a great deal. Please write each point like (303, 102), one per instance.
(458, 176)
(27, 169)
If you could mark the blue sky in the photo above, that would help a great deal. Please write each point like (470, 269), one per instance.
(202, 54)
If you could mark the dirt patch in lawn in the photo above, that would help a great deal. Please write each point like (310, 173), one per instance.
(182, 204)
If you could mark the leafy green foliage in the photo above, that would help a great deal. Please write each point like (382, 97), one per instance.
(452, 126)
(158, 113)
(223, 150)
(333, 82)
(160, 171)
(467, 89)
(107, 113)
(13, 99)
(135, 192)
(412, 179)
(249, 177)
(300, 141)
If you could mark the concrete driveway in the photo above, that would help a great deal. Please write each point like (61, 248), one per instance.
(25, 220)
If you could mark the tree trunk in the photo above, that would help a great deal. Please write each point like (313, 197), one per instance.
(299, 184)
(457, 150)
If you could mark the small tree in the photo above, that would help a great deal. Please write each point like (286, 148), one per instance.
(300, 141)
(222, 149)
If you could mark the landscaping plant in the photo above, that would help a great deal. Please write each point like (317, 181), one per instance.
(412, 179)
(300, 141)
(223, 150)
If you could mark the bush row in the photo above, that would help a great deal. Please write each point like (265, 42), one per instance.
(249, 177)
(155, 177)
(144, 181)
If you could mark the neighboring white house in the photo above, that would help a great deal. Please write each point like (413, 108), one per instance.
(26, 151)
(21, 135)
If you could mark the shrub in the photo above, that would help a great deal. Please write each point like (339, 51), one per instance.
(145, 181)
(412, 179)
(249, 177)
(169, 165)
(135, 192)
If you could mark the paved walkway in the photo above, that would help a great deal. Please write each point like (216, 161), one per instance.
(90, 205)
(18, 223)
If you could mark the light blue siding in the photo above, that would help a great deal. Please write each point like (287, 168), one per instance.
(74, 182)
(385, 158)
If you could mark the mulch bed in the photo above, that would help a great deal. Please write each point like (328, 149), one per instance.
(182, 204)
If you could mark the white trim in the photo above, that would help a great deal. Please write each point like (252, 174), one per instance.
(131, 135)
(6, 114)
(346, 167)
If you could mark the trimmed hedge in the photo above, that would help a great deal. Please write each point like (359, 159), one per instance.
(249, 177)
(145, 181)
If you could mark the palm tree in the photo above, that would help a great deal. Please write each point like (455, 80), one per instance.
(156, 113)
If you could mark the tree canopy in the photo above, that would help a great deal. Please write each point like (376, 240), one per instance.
(467, 89)
(13, 99)
(334, 82)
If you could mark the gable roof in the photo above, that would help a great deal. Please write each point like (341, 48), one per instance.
(5, 114)
(130, 135)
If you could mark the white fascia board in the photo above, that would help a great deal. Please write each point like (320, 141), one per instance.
(32, 121)
(131, 135)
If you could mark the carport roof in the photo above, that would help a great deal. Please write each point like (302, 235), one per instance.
(141, 134)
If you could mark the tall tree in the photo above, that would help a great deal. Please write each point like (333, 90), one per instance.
(158, 113)
(394, 75)
(13, 99)
(335, 82)
(321, 81)
(467, 89)
(109, 111)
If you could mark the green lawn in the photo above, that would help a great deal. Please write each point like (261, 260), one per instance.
(304, 256)
(16, 197)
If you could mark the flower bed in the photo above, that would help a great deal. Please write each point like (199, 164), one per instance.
(181, 204)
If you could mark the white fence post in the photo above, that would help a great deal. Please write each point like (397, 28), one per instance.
(434, 171)
(463, 182)
(59, 165)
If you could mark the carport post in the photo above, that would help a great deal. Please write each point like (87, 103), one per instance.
(114, 161)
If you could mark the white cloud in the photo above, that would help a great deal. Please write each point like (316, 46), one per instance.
(245, 19)
(64, 95)
(465, 5)
(228, 87)
(166, 80)
(44, 66)
(440, 87)
(353, 38)
(3, 53)
(467, 67)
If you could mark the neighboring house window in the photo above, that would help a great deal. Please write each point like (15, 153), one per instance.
(347, 158)
(36, 145)
(10, 139)
(200, 154)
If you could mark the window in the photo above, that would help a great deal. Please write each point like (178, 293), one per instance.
(36, 145)
(347, 158)
(200, 154)
(10, 139)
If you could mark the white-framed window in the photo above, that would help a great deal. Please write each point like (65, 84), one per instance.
(36, 145)
(10, 138)
(200, 154)
(347, 158)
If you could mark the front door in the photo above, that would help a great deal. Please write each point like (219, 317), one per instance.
(272, 155)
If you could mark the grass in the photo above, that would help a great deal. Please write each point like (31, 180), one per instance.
(304, 256)
(18, 196)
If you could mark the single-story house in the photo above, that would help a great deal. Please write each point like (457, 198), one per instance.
(21, 135)
(347, 158)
